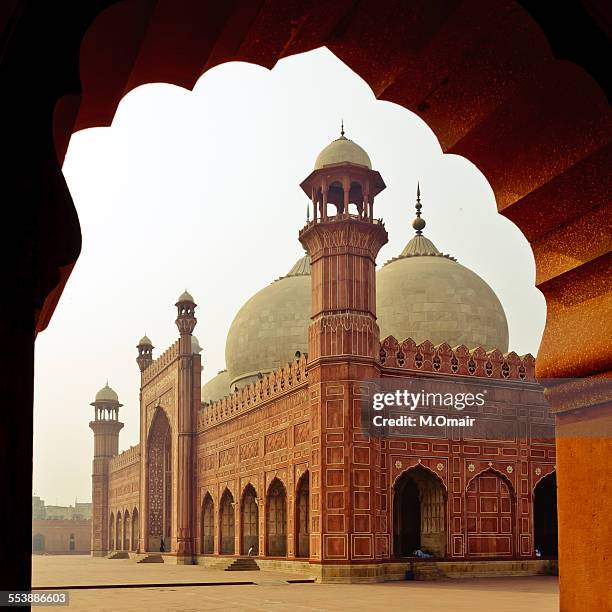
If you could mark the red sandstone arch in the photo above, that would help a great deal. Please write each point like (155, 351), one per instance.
(119, 532)
(127, 533)
(490, 515)
(111, 532)
(418, 464)
(227, 524)
(249, 520)
(135, 530)
(301, 520)
(481, 74)
(276, 519)
(541, 477)
(160, 482)
(207, 543)
(439, 545)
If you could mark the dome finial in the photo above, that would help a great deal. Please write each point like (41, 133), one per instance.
(341, 128)
(418, 223)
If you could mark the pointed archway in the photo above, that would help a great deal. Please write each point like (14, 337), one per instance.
(111, 532)
(119, 532)
(419, 513)
(227, 523)
(490, 515)
(302, 519)
(127, 534)
(208, 526)
(545, 536)
(159, 453)
(276, 520)
(249, 521)
(135, 529)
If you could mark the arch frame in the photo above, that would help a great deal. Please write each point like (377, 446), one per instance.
(440, 481)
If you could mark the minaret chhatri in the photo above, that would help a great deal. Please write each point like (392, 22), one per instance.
(145, 353)
(106, 427)
(189, 385)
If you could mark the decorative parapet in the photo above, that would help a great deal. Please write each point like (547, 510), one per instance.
(160, 363)
(461, 361)
(125, 459)
(271, 385)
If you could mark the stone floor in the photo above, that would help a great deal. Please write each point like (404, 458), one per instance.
(273, 593)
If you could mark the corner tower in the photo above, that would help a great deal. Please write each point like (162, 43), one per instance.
(343, 240)
(106, 428)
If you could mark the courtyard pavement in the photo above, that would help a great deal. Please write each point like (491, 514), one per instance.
(271, 591)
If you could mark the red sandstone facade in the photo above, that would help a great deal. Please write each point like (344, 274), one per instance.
(285, 469)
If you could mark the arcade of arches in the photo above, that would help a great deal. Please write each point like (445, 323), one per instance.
(483, 80)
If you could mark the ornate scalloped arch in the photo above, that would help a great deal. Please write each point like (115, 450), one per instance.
(417, 465)
(503, 476)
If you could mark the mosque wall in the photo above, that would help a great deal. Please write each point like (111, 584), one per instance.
(124, 496)
(488, 473)
(257, 436)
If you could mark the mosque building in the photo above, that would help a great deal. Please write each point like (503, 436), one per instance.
(274, 458)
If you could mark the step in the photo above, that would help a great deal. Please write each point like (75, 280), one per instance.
(119, 554)
(152, 559)
(243, 564)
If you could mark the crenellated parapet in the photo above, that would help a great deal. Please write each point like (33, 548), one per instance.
(270, 386)
(458, 360)
(158, 365)
(124, 459)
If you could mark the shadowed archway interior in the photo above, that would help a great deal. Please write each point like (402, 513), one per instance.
(160, 483)
(208, 525)
(419, 514)
(546, 538)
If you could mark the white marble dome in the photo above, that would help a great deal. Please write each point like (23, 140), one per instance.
(216, 388)
(270, 327)
(342, 150)
(425, 295)
(106, 394)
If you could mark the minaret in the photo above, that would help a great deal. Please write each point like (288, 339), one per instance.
(343, 248)
(189, 385)
(343, 240)
(106, 427)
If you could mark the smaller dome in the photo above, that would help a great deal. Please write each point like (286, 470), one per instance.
(342, 150)
(185, 297)
(106, 394)
(216, 388)
(195, 345)
(145, 341)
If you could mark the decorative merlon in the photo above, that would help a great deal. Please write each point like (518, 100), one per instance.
(271, 385)
(459, 360)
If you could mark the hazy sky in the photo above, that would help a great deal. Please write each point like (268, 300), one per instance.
(200, 190)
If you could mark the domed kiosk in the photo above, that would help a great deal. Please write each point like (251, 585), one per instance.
(425, 295)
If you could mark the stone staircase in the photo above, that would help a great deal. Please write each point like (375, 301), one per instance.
(243, 564)
(154, 558)
(120, 554)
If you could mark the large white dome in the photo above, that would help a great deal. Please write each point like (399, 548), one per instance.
(425, 295)
(270, 327)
